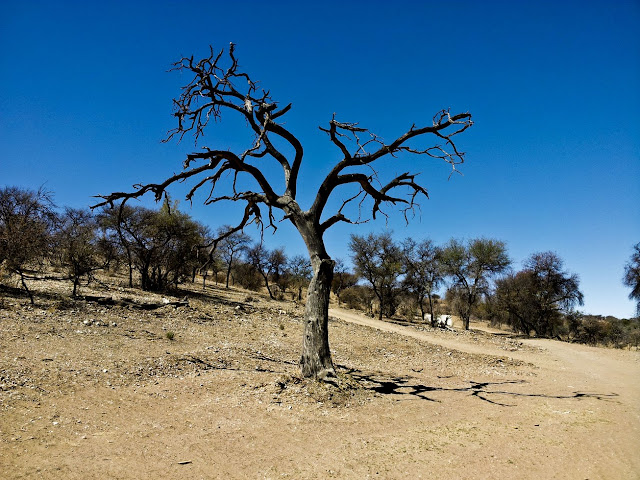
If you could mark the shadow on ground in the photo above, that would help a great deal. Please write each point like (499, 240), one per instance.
(495, 393)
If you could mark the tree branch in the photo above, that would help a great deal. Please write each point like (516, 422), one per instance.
(341, 134)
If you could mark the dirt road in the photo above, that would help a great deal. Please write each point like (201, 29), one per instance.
(612, 375)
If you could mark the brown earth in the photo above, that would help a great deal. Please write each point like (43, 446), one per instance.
(100, 391)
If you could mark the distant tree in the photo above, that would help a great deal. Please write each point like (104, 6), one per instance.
(300, 271)
(108, 246)
(632, 276)
(27, 219)
(216, 86)
(358, 297)
(471, 267)
(162, 245)
(423, 273)
(247, 276)
(268, 263)
(231, 247)
(277, 263)
(182, 236)
(342, 279)
(210, 261)
(378, 259)
(538, 297)
(111, 223)
(77, 246)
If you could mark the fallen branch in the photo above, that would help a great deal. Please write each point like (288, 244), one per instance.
(127, 302)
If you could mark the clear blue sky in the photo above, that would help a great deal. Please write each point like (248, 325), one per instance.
(553, 160)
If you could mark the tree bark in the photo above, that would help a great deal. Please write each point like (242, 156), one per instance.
(316, 356)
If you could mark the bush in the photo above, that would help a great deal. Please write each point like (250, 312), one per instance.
(247, 277)
(357, 297)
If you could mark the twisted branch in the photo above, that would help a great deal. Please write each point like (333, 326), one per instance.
(219, 85)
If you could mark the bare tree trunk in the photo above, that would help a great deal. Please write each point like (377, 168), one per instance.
(421, 303)
(125, 244)
(316, 356)
(205, 273)
(228, 275)
(434, 321)
(24, 285)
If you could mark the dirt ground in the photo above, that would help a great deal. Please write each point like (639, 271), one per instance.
(212, 390)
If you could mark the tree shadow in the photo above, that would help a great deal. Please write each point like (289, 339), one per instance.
(490, 392)
(18, 294)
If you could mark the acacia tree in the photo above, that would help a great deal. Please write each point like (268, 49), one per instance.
(77, 247)
(211, 261)
(423, 272)
(231, 246)
(537, 297)
(111, 222)
(632, 276)
(342, 279)
(161, 244)
(472, 266)
(299, 270)
(218, 85)
(27, 219)
(378, 260)
(268, 263)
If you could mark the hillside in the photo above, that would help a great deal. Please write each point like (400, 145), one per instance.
(209, 388)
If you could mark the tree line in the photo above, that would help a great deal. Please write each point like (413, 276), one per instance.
(479, 280)
(160, 249)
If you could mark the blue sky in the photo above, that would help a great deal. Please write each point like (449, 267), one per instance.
(553, 160)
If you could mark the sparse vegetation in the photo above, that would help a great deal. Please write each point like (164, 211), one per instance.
(80, 244)
(94, 366)
(632, 276)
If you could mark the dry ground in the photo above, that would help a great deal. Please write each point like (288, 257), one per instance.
(97, 391)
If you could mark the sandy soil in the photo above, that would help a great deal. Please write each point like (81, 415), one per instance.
(97, 391)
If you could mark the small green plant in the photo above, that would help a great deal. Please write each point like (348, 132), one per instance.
(281, 327)
(170, 336)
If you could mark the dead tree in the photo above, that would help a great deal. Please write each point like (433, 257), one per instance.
(219, 85)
